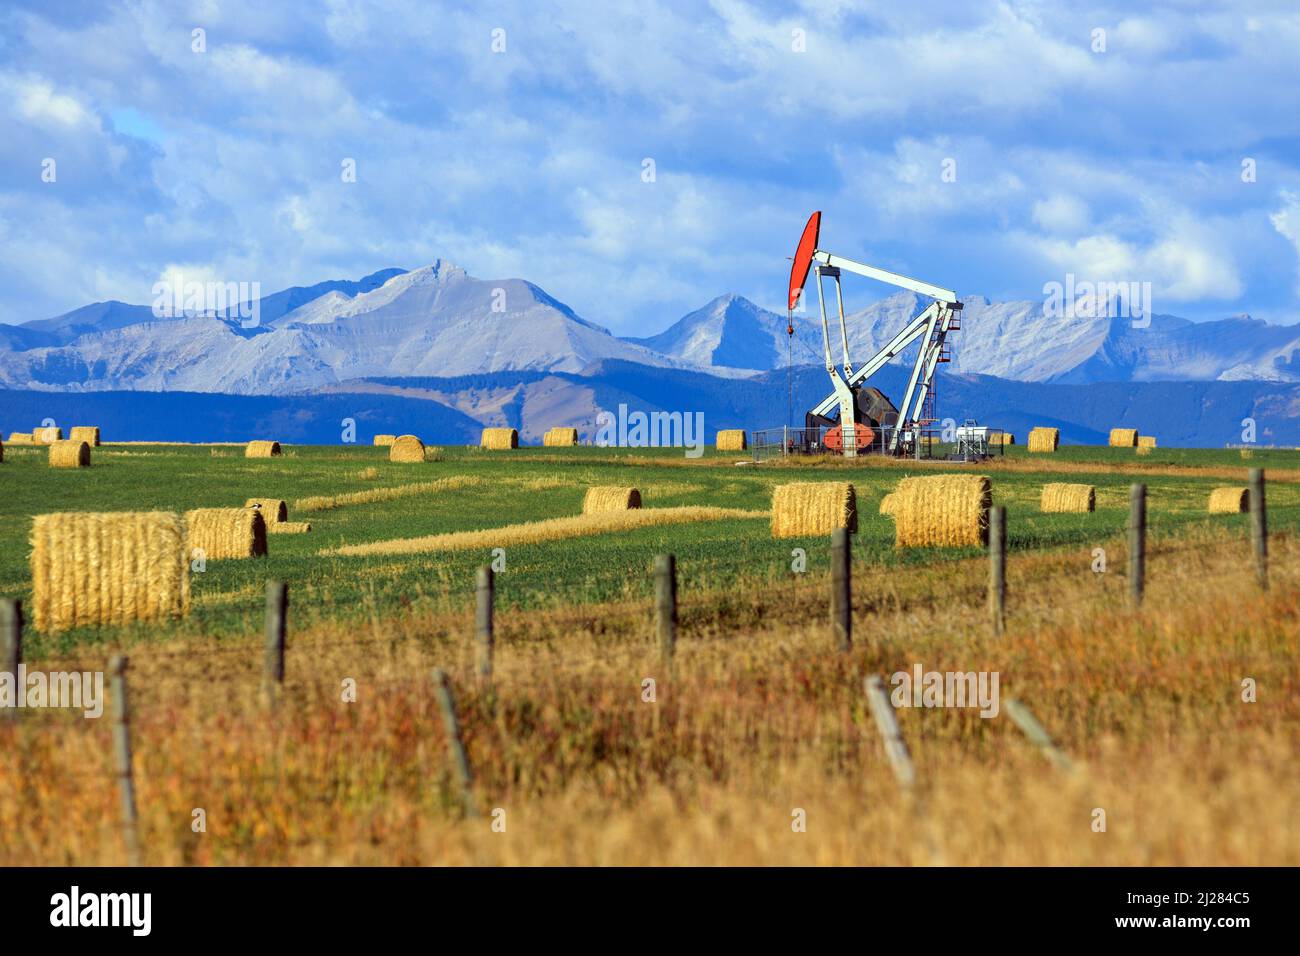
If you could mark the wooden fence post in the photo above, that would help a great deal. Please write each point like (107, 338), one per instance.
(122, 755)
(841, 589)
(11, 642)
(485, 593)
(1259, 526)
(666, 604)
(277, 604)
(1032, 729)
(1137, 543)
(998, 567)
(456, 745)
(887, 723)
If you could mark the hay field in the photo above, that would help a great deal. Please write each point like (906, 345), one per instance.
(759, 717)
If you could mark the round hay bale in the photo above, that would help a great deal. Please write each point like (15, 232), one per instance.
(289, 527)
(70, 454)
(1146, 441)
(1226, 501)
(262, 449)
(406, 448)
(560, 438)
(1061, 497)
(1044, 439)
(107, 568)
(46, 436)
(1002, 438)
(273, 509)
(600, 498)
(499, 439)
(385, 440)
(87, 433)
(946, 511)
(807, 508)
(731, 439)
(1123, 438)
(227, 532)
(21, 438)
(887, 504)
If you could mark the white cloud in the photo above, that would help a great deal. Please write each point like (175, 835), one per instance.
(1287, 222)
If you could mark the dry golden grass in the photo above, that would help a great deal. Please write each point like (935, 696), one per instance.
(1229, 500)
(1123, 438)
(372, 495)
(70, 454)
(1063, 497)
(731, 439)
(273, 509)
(262, 449)
(289, 527)
(227, 532)
(559, 437)
(107, 568)
(406, 448)
(805, 508)
(499, 439)
(385, 440)
(87, 433)
(1044, 439)
(602, 498)
(550, 529)
(942, 511)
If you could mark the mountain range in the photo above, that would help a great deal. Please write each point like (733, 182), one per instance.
(493, 351)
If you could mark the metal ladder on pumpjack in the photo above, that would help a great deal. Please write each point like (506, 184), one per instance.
(929, 414)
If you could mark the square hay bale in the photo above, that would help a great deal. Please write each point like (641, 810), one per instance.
(262, 449)
(601, 498)
(70, 454)
(46, 436)
(1044, 439)
(1229, 501)
(21, 438)
(108, 568)
(289, 527)
(1061, 498)
(1146, 441)
(406, 448)
(731, 439)
(227, 532)
(1123, 438)
(807, 508)
(560, 438)
(87, 433)
(947, 511)
(385, 440)
(499, 439)
(273, 509)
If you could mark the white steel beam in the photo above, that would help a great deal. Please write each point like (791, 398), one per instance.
(881, 275)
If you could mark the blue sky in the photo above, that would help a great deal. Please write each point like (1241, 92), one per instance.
(1122, 164)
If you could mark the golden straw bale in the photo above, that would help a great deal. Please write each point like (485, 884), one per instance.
(273, 509)
(1060, 497)
(46, 436)
(227, 532)
(1044, 439)
(406, 448)
(807, 508)
(21, 438)
(385, 440)
(108, 568)
(560, 438)
(887, 504)
(262, 449)
(1146, 441)
(499, 439)
(87, 433)
(1123, 438)
(942, 511)
(609, 498)
(70, 454)
(289, 527)
(1225, 501)
(731, 439)
(1002, 438)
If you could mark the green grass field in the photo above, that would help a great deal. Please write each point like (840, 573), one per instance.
(535, 483)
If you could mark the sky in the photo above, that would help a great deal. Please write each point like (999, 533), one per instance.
(637, 159)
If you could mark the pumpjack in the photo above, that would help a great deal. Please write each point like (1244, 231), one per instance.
(864, 411)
